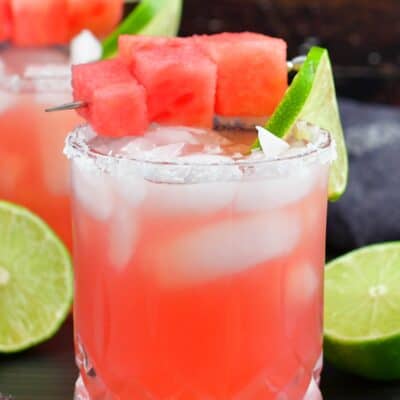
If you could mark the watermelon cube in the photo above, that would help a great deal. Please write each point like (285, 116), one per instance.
(5, 20)
(128, 44)
(119, 110)
(252, 72)
(116, 101)
(39, 23)
(99, 16)
(180, 82)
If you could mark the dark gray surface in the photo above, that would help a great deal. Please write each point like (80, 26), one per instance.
(369, 211)
(48, 373)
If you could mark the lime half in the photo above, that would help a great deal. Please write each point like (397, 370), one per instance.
(312, 98)
(362, 312)
(150, 17)
(36, 280)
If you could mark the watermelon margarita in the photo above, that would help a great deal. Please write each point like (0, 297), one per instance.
(199, 270)
(34, 172)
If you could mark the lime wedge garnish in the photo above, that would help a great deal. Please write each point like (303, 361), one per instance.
(36, 280)
(151, 18)
(362, 312)
(312, 98)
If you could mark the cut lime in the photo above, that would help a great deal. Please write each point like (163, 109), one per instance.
(362, 312)
(150, 17)
(312, 98)
(36, 282)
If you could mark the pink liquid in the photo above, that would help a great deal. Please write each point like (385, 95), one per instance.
(178, 307)
(34, 171)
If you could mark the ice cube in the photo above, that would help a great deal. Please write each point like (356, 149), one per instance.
(7, 100)
(133, 147)
(195, 168)
(51, 83)
(274, 192)
(225, 248)
(85, 48)
(123, 236)
(190, 199)
(93, 190)
(161, 136)
(166, 153)
(131, 188)
(212, 149)
(49, 71)
(17, 59)
(302, 284)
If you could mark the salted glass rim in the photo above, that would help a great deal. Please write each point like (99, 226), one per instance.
(17, 83)
(77, 147)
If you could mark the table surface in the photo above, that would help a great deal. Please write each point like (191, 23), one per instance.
(47, 372)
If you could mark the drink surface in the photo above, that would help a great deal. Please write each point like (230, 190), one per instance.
(201, 280)
(34, 171)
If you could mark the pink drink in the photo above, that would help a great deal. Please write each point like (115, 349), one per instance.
(198, 279)
(34, 171)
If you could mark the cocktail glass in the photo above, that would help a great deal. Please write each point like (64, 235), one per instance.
(34, 172)
(200, 277)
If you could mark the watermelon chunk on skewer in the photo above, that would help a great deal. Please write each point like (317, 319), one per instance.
(38, 23)
(99, 16)
(186, 81)
(252, 72)
(5, 20)
(129, 44)
(180, 82)
(116, 101)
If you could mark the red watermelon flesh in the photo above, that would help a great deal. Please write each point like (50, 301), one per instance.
(86, 78)
(128, 44)
(180, 82)
(116, 101)
(39, 23)
(99, 16)
(119, 110)
(5, 20)
(252, 72)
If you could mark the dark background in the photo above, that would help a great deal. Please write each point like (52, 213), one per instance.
(362, 36)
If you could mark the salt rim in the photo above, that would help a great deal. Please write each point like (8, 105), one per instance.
(321, 150)
(38, 78)
(28, 83)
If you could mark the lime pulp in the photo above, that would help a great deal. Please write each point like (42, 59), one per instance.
(362, 312)
(36, 280)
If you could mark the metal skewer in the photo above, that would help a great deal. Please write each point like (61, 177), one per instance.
(293, 65)
(68, 106)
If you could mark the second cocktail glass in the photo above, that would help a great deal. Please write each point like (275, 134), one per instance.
(34, 171)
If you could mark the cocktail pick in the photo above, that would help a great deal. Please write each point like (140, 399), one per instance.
(293, 65)
(68, 106)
